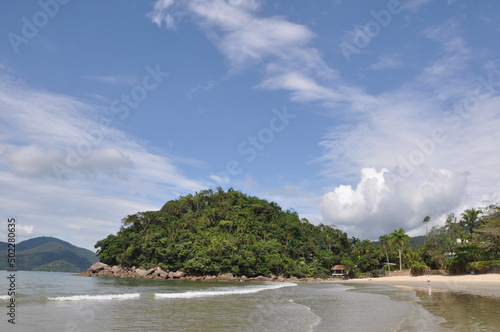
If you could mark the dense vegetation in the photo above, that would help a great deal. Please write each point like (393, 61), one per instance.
(465, 245)
(470, 244)
(215, 232)
(225, 232)
(49, 254)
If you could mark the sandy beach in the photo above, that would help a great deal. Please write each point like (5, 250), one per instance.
(481, 284)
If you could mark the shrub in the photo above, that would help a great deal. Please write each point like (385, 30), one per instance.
(464, 255)
(481, 266)
(418, 269)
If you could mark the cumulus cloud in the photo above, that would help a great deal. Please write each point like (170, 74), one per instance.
(383, 200)
(24, 230)
(425, 148)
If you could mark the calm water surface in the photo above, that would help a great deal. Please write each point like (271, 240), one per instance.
(63, 302)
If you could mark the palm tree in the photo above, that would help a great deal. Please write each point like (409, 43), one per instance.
(399, 238)
(426, 221)
(470, 218)
(384, 241)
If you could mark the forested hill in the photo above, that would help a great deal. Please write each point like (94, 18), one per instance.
(215, 232)
(48, 254)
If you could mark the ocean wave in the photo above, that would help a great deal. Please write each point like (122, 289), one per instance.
(96, 297)
(225, 291)
(4, 297)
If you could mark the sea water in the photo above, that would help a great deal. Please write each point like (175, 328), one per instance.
(48, 301)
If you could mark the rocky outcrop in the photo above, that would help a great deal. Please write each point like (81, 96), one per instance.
(178, 274)
(98, 267)
(103, 270)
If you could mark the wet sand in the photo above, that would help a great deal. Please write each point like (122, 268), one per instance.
(480, 284)
(446, 303)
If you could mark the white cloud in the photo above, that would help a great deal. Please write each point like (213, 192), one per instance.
(422, 123)
(24, 230)
(404, 134)
(415, 4)
(281, 47)
(113, 79)
(219, 179)
(51, 135)
(159, 15)
(436, 132)
(391, 61)
(303, 88)
(383, 200)
(68, 173)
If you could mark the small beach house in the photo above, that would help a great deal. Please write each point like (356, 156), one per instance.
(338, 271)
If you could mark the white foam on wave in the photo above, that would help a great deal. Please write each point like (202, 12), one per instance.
(225, 291)
(4, 297)
(96, 297)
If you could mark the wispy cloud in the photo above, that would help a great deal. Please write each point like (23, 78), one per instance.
(281, 48)
(415, 4)
(391, 61)
(385, 129)
(159, 15)
(59, 154)
(113, 79)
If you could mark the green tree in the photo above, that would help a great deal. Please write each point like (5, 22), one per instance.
(367, 255)
(464, 254)
(487, 235)
(349, 266)
(385, 242)
(400, 239)
(214, 232)
(436, 248)
(470, 219)
(426, 221)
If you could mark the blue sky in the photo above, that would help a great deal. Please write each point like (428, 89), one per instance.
(366, 115)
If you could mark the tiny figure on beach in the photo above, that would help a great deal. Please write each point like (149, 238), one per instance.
(428, 279)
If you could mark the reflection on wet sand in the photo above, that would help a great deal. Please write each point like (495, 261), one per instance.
(462, 312)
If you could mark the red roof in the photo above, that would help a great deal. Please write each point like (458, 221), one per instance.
(338, 267)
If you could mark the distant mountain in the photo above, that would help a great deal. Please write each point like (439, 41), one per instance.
(48, 254)
(417, 241)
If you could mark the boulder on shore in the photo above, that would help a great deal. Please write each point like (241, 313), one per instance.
(140, 273)
(226, 277)
(98, 267)
(178, 274)
(116, 269)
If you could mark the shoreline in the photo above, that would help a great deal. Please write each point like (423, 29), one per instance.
(102, 270)
(479, 284)
(444, 303)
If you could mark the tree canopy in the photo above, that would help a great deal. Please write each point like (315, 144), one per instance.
(400, 239)
(214, 232)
